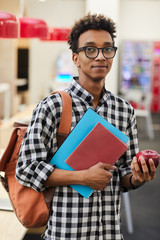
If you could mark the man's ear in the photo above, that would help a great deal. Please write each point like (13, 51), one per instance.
(75, 58)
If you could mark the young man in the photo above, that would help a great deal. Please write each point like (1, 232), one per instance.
(74, 217)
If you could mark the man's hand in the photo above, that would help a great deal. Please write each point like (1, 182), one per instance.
(98, 176)
(147, 174)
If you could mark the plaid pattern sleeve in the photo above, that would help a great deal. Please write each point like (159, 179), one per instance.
(39, 144)
(72, 216)
(133, 145)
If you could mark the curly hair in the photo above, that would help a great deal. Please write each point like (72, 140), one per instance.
(97, 22)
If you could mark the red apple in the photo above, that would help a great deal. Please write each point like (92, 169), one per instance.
(147, 154)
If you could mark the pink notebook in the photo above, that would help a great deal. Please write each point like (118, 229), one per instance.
(100, 145)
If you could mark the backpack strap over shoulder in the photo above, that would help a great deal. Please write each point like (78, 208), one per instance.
(66, 117)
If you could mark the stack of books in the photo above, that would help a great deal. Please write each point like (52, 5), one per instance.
(92, 140)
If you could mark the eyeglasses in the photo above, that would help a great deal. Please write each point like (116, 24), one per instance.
(92, 52)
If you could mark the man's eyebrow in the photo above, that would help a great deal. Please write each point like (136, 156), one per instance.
(89, 43)
(109, 43)
(93, 43)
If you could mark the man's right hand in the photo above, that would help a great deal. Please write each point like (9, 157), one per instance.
(98, 176)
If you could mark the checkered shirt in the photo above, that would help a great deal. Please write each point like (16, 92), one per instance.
(73, 216)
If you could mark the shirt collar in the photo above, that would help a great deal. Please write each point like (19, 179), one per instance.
(78, 90)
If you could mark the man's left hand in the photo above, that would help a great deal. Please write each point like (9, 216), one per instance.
(144, 175)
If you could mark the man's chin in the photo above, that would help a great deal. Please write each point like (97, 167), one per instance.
(98, 79)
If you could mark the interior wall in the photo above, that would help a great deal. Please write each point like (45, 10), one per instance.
(11, 6)
(7, 72)
(43, 54)
(139, 19)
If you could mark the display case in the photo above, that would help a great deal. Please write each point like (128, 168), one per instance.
(140, 72)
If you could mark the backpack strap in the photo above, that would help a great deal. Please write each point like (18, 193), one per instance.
(66, 117)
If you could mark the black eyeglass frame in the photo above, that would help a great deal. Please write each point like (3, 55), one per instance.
(84, 49)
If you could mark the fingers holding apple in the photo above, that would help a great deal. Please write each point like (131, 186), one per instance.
(147, 169)
(150, 157)
(144, 166)
(148, 161)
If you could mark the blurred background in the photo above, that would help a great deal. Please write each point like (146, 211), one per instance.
(32, 66)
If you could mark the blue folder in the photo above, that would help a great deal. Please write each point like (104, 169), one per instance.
(81, 130)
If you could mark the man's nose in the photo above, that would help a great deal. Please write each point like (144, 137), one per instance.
(100, 55)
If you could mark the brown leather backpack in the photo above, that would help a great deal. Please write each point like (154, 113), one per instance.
(31, 208)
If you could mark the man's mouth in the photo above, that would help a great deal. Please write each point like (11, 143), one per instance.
(100, 66)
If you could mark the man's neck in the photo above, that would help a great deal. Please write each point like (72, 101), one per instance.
(95, 88)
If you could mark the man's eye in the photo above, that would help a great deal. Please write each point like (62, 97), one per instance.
(91, 49)
(108, 49)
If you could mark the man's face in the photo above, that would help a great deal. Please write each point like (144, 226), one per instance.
(93, 69)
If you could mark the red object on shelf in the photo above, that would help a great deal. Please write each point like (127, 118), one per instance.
(26, 27)
(136, 105)
(57, 34)
(33, 28)
(8, 25)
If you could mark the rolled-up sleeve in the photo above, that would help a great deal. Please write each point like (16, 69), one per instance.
(39, 144)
